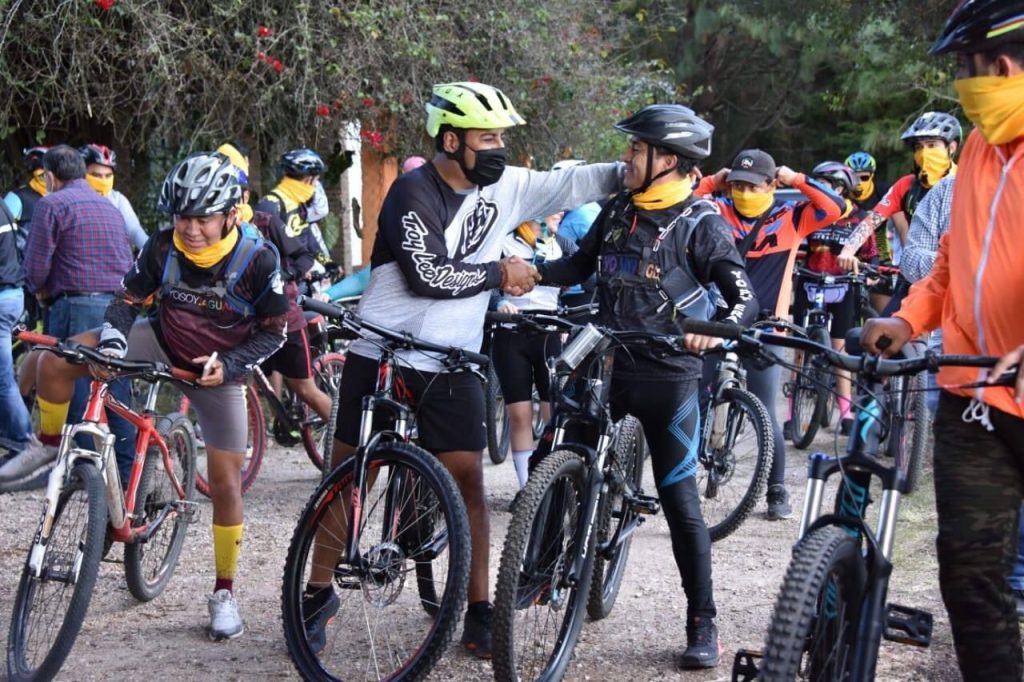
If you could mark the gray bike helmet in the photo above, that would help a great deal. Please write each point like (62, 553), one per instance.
(933, 124)
(204, 183)
(301, 163)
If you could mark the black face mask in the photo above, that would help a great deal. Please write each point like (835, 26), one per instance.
(490, 164)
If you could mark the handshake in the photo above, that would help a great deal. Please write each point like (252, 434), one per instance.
(517, 276)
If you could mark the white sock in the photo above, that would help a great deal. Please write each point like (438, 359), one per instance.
(521, 460)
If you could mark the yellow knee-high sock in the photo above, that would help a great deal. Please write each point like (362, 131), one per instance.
(227, 543)
(51, 420)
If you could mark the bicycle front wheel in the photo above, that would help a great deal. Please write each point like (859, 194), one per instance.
(317, 434)
(49, 609)
(149, 565)
(813, 630)
(734, 463)
(614, 513)
(808, 402)
(412, 514)
(538, 614)
(921, 418)
(254, 452)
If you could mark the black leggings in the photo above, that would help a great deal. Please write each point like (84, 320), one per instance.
(670, 415)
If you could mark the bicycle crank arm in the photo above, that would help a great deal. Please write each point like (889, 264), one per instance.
(605, 549)
(188, 510)
(643, 504)
(745, 665)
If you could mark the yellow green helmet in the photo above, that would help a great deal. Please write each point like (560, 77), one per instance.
(470, 105)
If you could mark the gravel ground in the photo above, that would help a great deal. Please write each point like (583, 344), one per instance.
(165, 639)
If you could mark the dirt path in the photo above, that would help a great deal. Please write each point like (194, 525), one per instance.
(165, 640)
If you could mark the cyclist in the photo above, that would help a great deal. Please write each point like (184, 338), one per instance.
(655, 249)
(520, 357)
(973, 293)
(933, 137)
(22, 201)
(434, 263)
(767, 234)
(15, 424)
(823, 247)
(866, 194)
(219, 291)
(100, 164)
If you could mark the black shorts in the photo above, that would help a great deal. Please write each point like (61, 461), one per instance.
(844, 312)
(448, 408)
(520, 361)
(292, 360)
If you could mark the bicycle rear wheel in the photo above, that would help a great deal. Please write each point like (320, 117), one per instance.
(149, 565)
(499, 437)
(813, 630)
(380, 631)
(537, 615)
(316, 435)
(627, 465)
(49, 610)
(916, 425)
(734, 465)
(254, 452)
(808, 402)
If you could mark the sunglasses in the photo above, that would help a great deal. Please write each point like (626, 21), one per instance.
(864, 177)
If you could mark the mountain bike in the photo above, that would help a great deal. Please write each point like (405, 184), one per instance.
(831, 613)
(578, 512)
(85, 501)
(389, 527)
(737, 449)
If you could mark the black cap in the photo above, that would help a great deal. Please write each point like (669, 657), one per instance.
(753, 166)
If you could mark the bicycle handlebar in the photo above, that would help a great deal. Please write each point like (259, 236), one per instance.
(84, 354)
(354, 323)
(541, 320)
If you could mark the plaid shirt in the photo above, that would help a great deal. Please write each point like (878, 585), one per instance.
(930, 222)
(76, 243)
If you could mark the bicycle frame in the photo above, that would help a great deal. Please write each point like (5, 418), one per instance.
(119, 501)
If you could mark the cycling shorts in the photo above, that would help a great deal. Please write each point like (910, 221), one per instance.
(220, 410)
(292, 359)
(448, 408)
(520, 361)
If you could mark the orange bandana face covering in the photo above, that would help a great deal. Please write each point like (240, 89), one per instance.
(752, 204)
(994, 104)
(38, 182)
(211, 255)
(663, 195)
(102, 185)
(865, 189)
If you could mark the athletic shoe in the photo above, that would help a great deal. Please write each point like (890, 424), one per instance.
(319, 609)
(476, 632)
(28, 462)
(702, 648)
(787, 430)
(845, 426)
(778, 503)
(225, 621)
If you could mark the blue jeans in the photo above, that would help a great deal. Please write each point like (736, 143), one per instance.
(1017, 577)
(15, 422)
(74, 315)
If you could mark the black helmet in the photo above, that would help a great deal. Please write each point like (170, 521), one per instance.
(933, 124)
(301, 163)
(99, 154)
(32, 157)
(980, 25)
(836, 173)
(205, 183)
(673, 127)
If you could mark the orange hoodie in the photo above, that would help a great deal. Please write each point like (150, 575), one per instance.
(975, 290)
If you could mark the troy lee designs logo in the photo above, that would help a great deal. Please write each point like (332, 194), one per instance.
(475, 226)
(444, 277)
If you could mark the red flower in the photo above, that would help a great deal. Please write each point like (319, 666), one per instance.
(368, 102)
(323, 110)
(261, 56)
(261, 32)
(105, 5)
(278, 66)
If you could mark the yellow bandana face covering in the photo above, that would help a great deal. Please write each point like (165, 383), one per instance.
(994, 104)
(865, 189)
(663, 195)
(38, 182)
(526, 233)
(295, 190)
(211, 255)
(245, 212)
(102, 185)
(235, 157)
(934, 163)
(752, 204)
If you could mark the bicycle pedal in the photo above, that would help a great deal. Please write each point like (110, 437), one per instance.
(745, 665)
(907, 625)
(644, 504)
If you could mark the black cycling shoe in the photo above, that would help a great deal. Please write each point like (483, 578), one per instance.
(702, 648)
(845, 426)
(787, 430)
(477, 630)
(318, 608)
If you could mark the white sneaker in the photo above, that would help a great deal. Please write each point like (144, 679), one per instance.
(225, 621)
(34, 457)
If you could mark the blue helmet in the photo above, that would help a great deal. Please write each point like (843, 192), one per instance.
(861, 162)
(301, 163)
